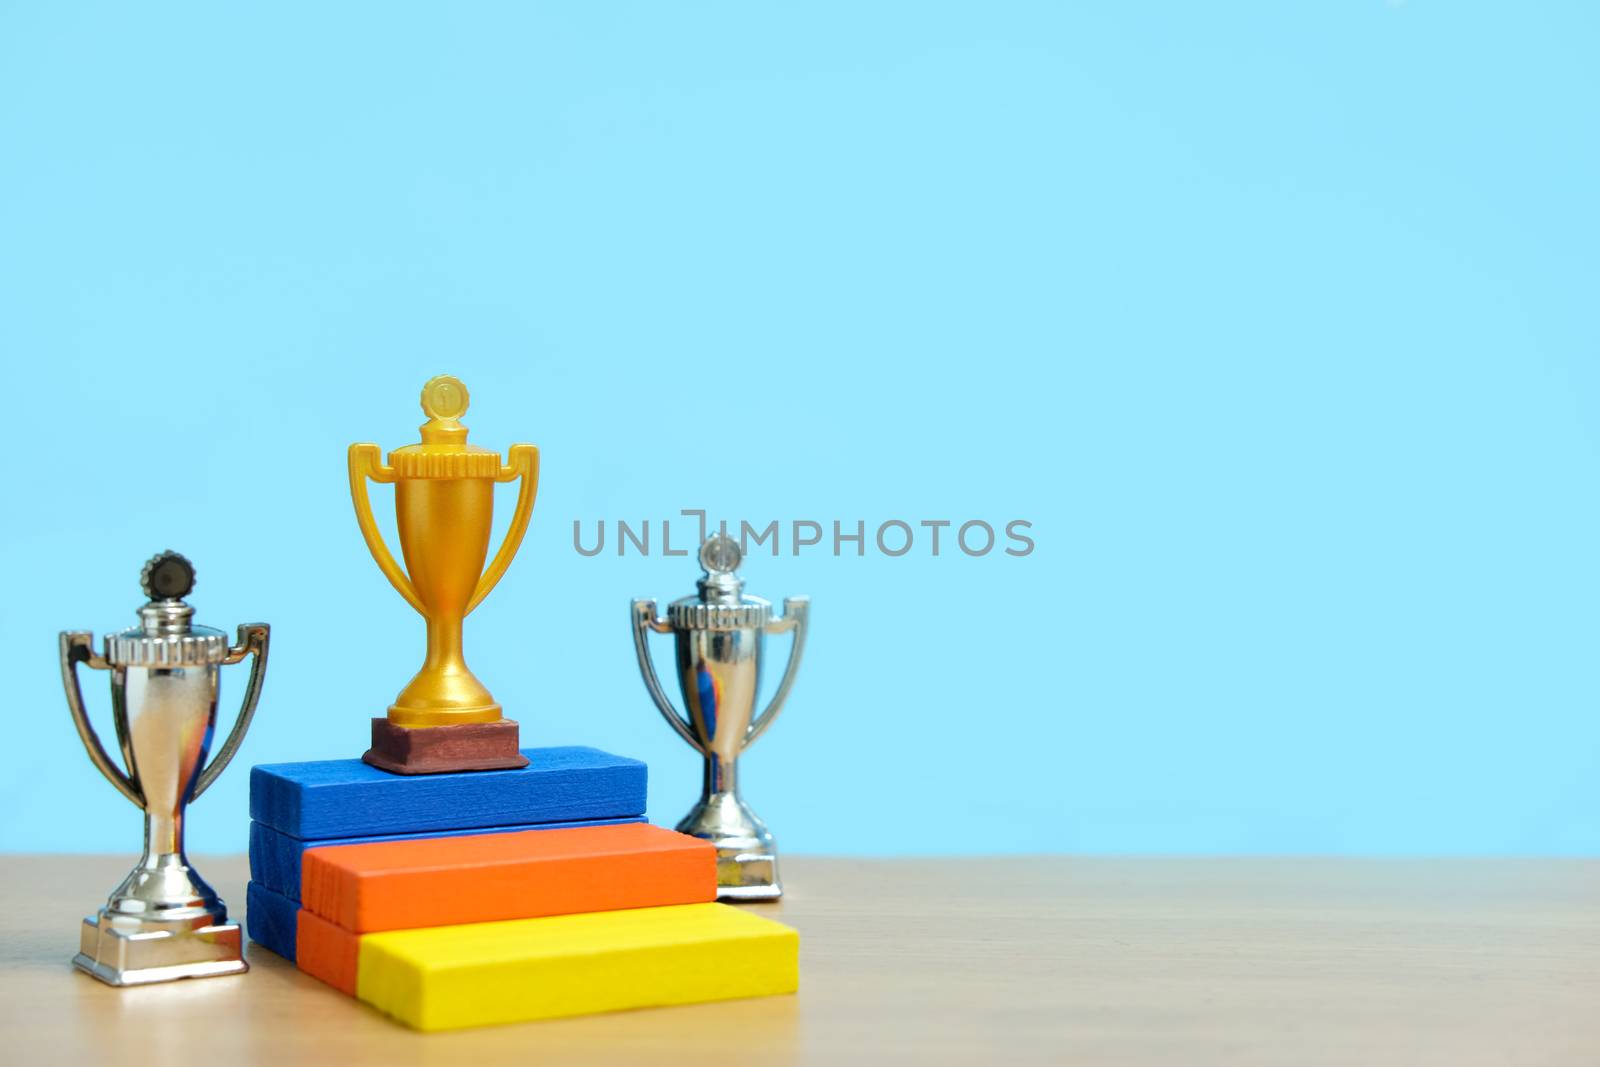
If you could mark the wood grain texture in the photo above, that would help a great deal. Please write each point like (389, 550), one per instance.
(443, 881)
(327, 951)
(348, 798)
(1012, 960)
(272, 919)
(275, 857)
(317, 947)
(487, 974)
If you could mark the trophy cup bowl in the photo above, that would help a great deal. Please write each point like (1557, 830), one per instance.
(445, 719)
(719, 636)
(163, 922)
(444, 539)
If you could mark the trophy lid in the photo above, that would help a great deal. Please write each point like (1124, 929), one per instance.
(443, 451)
(166, 636)
(720, 603)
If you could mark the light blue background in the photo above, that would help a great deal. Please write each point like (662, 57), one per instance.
(1278, 321)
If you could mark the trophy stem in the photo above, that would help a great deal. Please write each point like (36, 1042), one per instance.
(444, 643)
(445, 692)
(721, 775)
(747, 856)
(162, 885)
(163, 838)
(445, 720)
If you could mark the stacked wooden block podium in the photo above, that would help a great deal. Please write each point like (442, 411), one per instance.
(455, 900)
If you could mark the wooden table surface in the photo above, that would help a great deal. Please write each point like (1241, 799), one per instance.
(1020, 959)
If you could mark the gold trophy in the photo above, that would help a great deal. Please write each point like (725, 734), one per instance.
(444, 720)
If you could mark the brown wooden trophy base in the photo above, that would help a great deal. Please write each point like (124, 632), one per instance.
(475, 746)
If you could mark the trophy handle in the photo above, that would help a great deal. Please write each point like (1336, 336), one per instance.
(253, 637)
(521, 461)
(365, 463)
(644, 620)
(77, 646)
(796, 613)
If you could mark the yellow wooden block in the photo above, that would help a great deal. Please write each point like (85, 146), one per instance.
(446, 977)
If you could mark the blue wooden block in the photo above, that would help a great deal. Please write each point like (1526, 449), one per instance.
(348, 798)
(275, 856)
(272, 919)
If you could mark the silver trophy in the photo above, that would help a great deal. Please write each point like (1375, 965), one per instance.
(163, 922)
(720, 634)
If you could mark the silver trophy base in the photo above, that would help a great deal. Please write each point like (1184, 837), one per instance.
(745, 875)
(123, 950)
(747, 855)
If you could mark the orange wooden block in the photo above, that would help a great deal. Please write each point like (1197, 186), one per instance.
(328, 952)
(444, 881)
